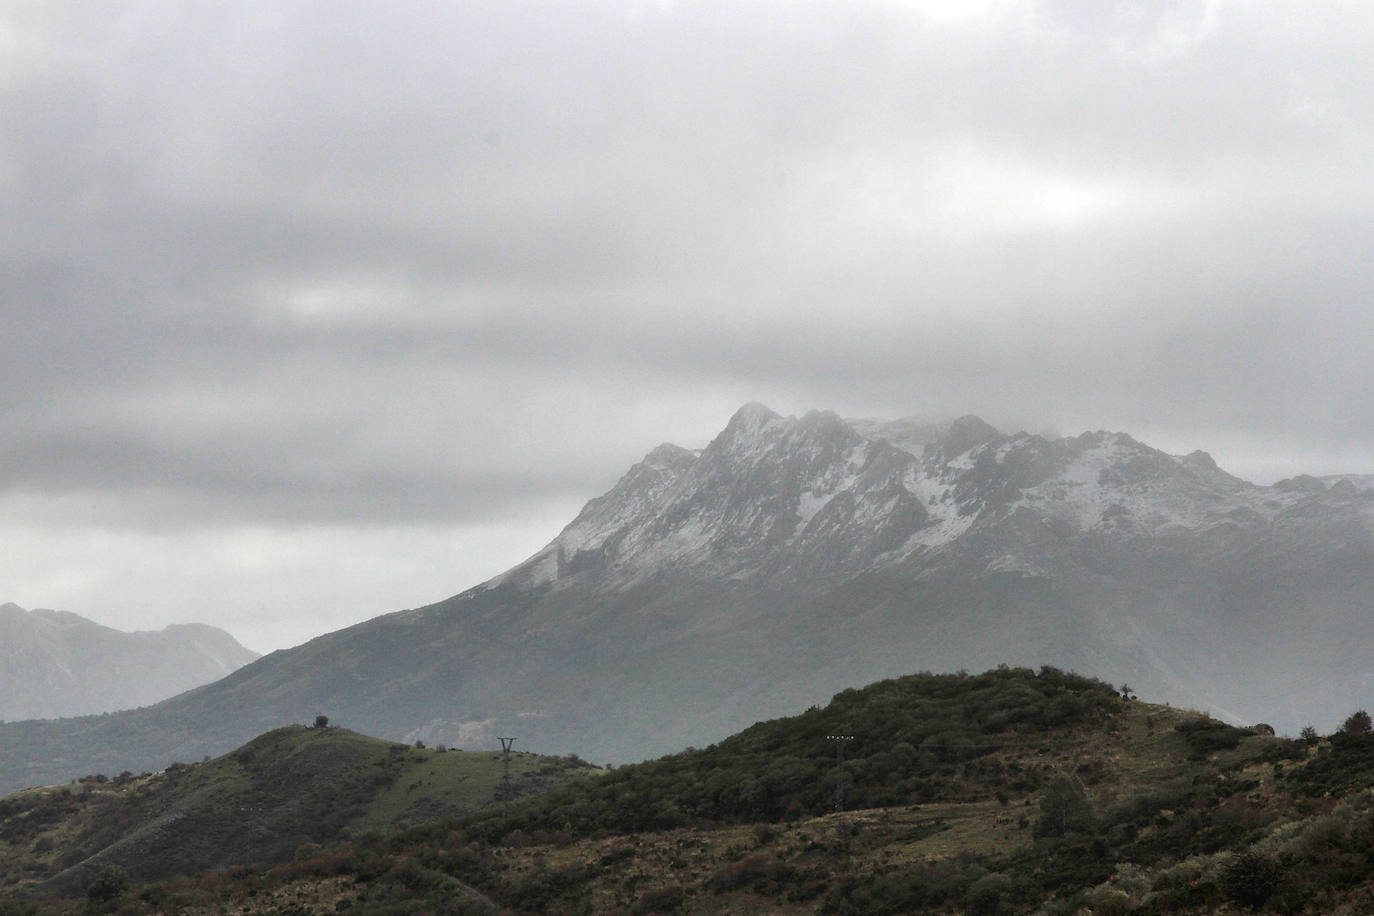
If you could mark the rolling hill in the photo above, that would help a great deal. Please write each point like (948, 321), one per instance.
(289, 788)
(1010, 791)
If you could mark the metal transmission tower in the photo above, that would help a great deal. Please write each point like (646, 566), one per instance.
(840, 742)
(505, 777)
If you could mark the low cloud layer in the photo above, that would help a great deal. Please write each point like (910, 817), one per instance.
(346, 269)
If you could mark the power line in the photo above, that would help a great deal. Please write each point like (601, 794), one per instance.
(506, 777)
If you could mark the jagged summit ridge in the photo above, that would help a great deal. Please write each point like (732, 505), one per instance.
(796, 497)
(963, 545)
(765, 489)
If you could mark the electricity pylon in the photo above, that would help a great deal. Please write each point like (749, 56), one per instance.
(505, 778)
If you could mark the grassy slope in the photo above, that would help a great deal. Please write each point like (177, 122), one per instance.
(287, 788)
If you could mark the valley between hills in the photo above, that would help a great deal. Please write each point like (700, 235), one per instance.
(1011, 791)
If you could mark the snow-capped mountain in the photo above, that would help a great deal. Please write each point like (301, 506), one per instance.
(775, 498)
(56, 663)
(1095, 551)
(796, 499)
(794, 557)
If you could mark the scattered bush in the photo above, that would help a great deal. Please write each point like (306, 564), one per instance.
(108, 886)
(749, 872)
(659, 900)
(1064, 810)
(1108, 901)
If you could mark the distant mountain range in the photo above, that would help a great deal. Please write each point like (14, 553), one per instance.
(794, 557)
(56, 663)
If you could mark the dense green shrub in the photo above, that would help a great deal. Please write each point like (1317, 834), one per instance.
(1250, 879)
(993, 895)
(918, 888)
(1358, 723)
(1206, 736)
(1189, 884)
(1342, 765)
(918, 739)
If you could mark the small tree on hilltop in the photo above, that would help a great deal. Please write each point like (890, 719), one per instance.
(1358, 724)
(321, 721)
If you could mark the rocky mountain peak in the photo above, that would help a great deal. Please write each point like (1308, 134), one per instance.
(1199, 460)
(765, 492)
(824, 424)
(757, 437)
(1303, 483)
(62, 618)
(670, 457)
(910, 434)
(749, 419)
(798, 497)
(1343, 488)
(965, 433)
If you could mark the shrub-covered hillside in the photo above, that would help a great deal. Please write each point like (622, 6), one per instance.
(1012, 791)
(916, 739)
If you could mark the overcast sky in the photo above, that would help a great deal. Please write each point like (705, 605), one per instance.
(314, 311)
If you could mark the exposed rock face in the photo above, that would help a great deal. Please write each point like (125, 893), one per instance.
(771, 498)
(794, 557)
(56, 663)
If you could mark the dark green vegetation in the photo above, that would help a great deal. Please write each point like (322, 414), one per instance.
(915, 740)
(1007, 792)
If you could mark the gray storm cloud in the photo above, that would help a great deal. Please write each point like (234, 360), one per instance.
(357, 265)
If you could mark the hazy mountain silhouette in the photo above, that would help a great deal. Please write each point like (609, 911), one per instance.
(56, 663)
